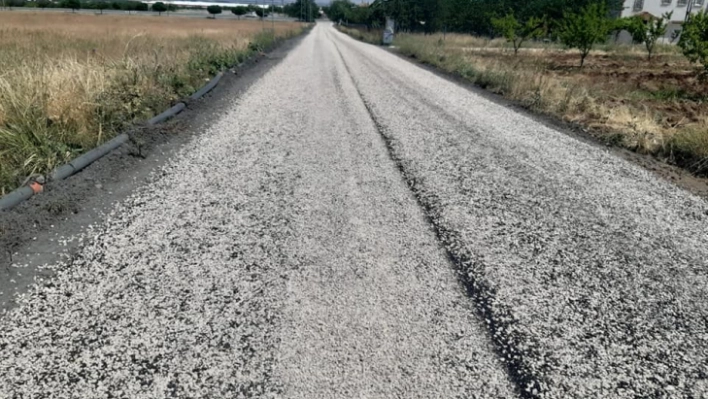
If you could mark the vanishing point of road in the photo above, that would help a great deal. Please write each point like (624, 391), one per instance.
(356, 226)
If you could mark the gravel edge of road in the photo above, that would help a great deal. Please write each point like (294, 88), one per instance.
(671, 173)
(505, 345)
(29, 232)
(427, 169)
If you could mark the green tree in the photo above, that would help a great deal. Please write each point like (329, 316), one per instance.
(694, 39)
(648, 32)
(43, 4)
(468, 16)
(239, 11)
(337, 10)
(214, 10)
(635, 26)
(582, 30)
(73, 4)
(260, 12)
(102, 5)
(141, 7)
(304, 10)
(128, 6)
(517, 32)
(159, 7)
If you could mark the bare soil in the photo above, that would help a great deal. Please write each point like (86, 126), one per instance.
(672, 87)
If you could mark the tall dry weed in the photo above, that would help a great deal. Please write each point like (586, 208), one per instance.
(70, 82)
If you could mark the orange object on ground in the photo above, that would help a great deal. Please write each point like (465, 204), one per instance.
(36, 187)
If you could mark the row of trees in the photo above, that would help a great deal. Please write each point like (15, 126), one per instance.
(91, 5)
(581, 29)
(464, 16)
(129, 6)
(261, 12)
(579, 24)
(591, 25)
(305, 10)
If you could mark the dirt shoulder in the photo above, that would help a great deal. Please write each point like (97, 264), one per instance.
(32, 234)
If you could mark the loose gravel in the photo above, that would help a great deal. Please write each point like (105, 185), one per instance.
(279, 254)
(304, 246)
(592, 272)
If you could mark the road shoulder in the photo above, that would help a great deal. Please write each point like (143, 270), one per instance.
(673, 174)
(33, 234)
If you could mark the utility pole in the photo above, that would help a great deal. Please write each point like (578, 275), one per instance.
(689, 9)
(272, 16)
(263, 16)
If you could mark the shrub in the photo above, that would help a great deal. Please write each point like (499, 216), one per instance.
(213, 10)
(694, 39)
(648, 32)
(127, 6)
(689, 149)
(159, 7)
(584, 29)
(238, 11)
(102, 5)
(73, 4)
(516, 32)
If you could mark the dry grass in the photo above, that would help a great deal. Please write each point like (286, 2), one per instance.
(373, 36)
(69, 82)
(658, 107)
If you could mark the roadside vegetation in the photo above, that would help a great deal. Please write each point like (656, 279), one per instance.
(132, 5)
(648, 96)
(69, 82)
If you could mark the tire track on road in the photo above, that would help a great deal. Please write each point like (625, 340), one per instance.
(526, 382)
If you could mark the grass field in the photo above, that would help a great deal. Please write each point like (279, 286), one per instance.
(658, 107)
(69, 82)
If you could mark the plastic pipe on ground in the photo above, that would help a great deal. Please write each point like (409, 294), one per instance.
(206, 89)
(24, 193)
(167, 114)
(87, 159)
(15, 198)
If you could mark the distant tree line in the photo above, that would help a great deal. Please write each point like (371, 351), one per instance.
(464, 16)
(89, 5)
(261, 12)
(304, 10)
(127, 5)
(578, 24)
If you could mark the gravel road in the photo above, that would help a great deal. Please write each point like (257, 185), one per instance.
(357, 227)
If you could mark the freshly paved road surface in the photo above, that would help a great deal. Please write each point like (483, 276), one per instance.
(357, 227)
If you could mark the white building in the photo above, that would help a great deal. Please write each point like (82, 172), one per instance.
(656, 8)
